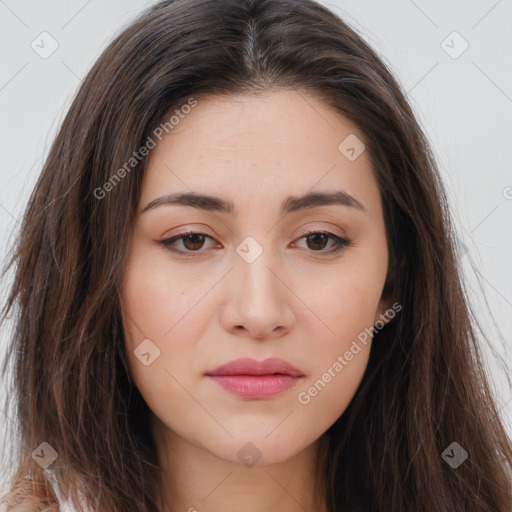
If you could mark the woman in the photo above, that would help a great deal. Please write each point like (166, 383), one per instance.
(237, 285)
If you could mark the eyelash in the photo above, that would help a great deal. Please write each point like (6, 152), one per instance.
(340, 243)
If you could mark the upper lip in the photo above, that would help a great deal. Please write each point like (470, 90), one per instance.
(248, 366)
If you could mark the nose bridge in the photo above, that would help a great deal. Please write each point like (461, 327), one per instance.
(258, 298)
(256, 280)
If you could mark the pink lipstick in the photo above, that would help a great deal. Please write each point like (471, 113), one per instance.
(252, 379)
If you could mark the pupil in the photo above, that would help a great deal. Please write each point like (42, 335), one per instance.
(195, 239)
(315, 238)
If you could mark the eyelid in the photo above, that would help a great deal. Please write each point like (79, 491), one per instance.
(316, 229)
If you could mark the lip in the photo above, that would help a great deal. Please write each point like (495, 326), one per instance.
(252, 379)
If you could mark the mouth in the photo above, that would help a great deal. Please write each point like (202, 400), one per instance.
(252, 379)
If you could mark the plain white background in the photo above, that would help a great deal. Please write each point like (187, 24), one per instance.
(459, 84)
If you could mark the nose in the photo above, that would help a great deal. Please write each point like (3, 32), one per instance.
(257, 302)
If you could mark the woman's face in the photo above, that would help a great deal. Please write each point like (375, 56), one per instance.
(252, 283)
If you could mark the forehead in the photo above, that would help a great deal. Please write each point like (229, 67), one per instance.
(257, 149)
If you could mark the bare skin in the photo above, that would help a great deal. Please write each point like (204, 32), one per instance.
(296, 301)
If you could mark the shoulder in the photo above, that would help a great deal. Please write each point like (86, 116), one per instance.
(64, 505)
(67, 506)
(28, 501)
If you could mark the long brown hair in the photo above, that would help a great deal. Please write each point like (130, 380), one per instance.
(425, 386)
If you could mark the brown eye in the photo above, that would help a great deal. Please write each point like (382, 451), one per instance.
(319, 241)
(193, 241)
(190, 242)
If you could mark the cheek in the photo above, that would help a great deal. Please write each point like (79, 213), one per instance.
(344, 305)
(156, 310)
(328, 393)
(344, 296)
(340, 359)
(157, 299)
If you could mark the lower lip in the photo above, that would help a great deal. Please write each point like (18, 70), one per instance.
(255, 386)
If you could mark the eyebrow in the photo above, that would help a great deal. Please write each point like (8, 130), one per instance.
(290, 204)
